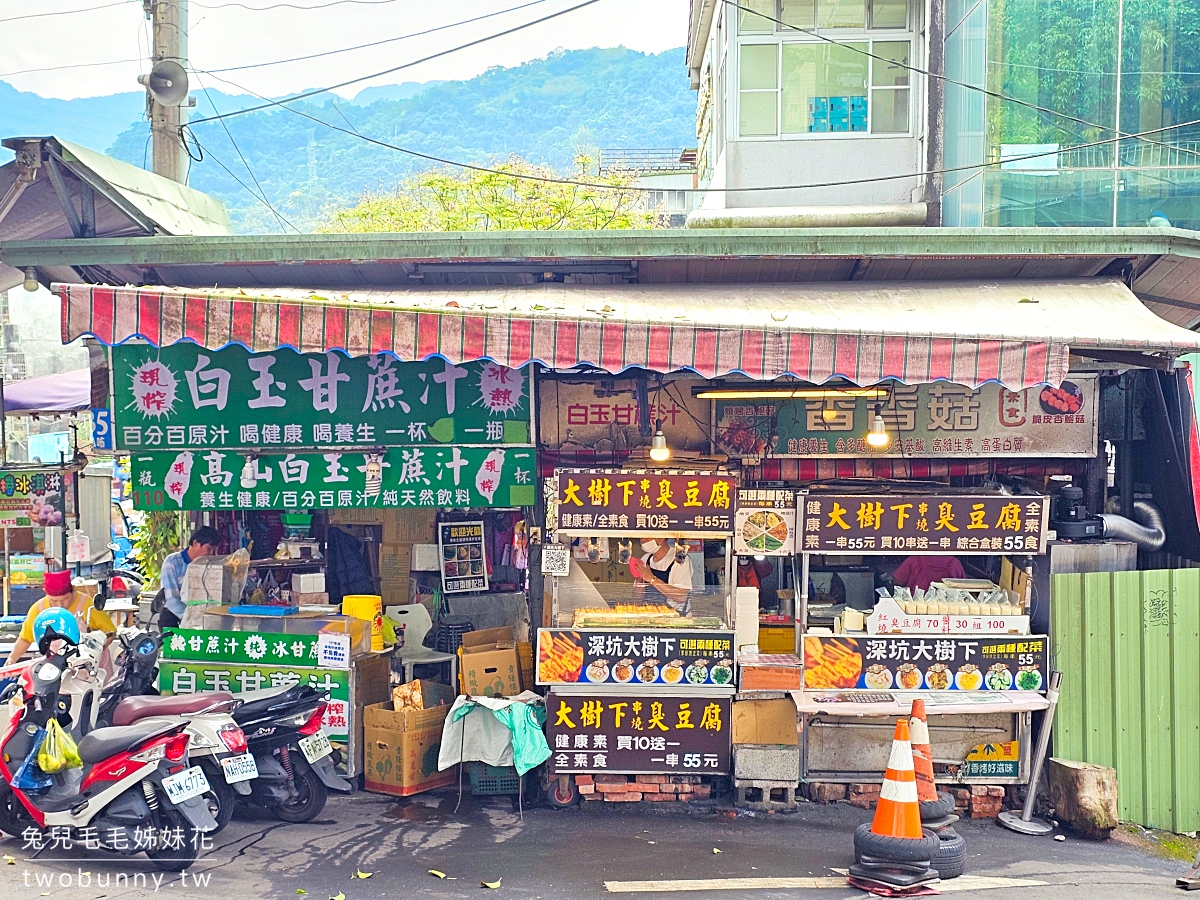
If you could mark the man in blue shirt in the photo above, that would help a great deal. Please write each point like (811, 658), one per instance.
(205, 541)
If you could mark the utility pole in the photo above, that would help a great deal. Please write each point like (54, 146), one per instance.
(166, 87)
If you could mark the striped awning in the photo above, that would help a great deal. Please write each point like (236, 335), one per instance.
(1018, 333)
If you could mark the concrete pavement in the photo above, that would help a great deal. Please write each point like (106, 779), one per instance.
(580, 854)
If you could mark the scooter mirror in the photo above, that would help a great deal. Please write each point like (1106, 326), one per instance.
(100, 600)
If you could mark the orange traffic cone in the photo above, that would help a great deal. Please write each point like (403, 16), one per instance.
(898, 813)
(922, 755)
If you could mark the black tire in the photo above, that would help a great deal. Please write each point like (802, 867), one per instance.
(951, 859)
(176, 859)
(14, 818)
(311, 794)
(221, 798)
(935, 809)
(893, 848)
(560, 798)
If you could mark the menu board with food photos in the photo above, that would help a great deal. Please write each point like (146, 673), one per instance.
(683, 657)
(682, 735)
(765, 522)
(464, 563)
(925, 663)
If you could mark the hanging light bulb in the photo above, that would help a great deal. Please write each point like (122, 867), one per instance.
(659, 451)
(249, 476)
(877, 437)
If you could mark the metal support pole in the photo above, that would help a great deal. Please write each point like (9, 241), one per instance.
(3, 425)
(1025, 823)
(7, 572)
(801, 621)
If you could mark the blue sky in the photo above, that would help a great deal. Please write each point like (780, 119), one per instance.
(224, 33)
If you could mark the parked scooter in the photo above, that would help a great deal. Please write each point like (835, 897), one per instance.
(94, 699)
(136, 791)
(295, 759)
(292, 760)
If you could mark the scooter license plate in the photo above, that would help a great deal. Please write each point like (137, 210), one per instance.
(315, 747)
(239, 768)
(186, 784)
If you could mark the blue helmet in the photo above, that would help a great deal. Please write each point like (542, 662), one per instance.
(62, 621)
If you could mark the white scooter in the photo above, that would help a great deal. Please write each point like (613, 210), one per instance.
(217, 743)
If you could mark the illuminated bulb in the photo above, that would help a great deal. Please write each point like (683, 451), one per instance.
(659, 451)
(31, 280)
(829, 414)
(877, 437)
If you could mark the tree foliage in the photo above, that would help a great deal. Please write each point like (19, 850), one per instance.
(516, 195)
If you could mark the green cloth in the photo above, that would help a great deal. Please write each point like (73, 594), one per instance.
(524, 722)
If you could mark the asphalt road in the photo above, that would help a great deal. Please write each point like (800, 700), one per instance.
(571, 855)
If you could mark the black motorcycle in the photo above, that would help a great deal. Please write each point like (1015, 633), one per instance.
(295, 758)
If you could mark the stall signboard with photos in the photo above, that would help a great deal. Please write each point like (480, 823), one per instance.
(450, 477)
(463, 557)
(655, 734)
(635, 658)
(938, 420)
(33, 498)
(765, 522)
(926, 663)
(187, 397)
(643, 503)
(957, 524)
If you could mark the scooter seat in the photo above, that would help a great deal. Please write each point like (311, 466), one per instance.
(131, 709)
(99, 745)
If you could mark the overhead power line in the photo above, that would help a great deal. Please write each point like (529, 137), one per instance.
(111, 62)
(333, 87)
(402, 37)
(855, 47)
(753, 189)
(66, 12)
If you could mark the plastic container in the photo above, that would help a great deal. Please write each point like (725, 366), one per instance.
(368, 607)
(488, 780)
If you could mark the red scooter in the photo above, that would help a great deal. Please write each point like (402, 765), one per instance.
(135, 793)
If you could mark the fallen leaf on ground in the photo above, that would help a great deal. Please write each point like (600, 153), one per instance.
(715, 850)
(436, 874)
(361, 874)
(301, 891)
(338, 896)
(11, 860)
(490, 884)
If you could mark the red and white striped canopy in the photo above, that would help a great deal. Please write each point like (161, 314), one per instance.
(1016, 332)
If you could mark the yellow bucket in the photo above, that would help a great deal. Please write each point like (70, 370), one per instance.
(370, 608)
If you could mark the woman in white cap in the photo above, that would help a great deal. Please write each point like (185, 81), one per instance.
(668, 569)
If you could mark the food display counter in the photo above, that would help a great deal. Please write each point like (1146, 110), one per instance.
(638, 651)
(962, 645)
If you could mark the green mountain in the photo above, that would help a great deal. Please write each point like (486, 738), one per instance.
(545, 111)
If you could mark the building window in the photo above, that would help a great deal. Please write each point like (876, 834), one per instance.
(786, 16)
(793, 83)
(805, 87)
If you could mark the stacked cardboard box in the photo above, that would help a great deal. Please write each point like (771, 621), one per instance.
(401, 746)
(488, 664)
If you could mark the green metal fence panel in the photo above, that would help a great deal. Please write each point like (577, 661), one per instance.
(1128, 645)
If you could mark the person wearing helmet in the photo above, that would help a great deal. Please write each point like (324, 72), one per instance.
(60, 595)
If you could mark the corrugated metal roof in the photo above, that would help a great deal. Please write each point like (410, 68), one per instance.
(173, 207)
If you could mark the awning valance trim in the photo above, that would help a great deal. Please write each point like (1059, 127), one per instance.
(1016, 333)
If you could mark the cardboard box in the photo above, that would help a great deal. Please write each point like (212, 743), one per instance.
(489, 664)
(434, 694)
(525, 656)
(400, 749)
(764, 722)
(308, 582)
(365, 516)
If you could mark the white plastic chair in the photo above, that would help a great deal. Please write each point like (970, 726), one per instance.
(415, 619)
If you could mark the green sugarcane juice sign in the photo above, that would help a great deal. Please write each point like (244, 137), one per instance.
(189, 677)
(443, 477)
(240, 646)
(187, 397)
